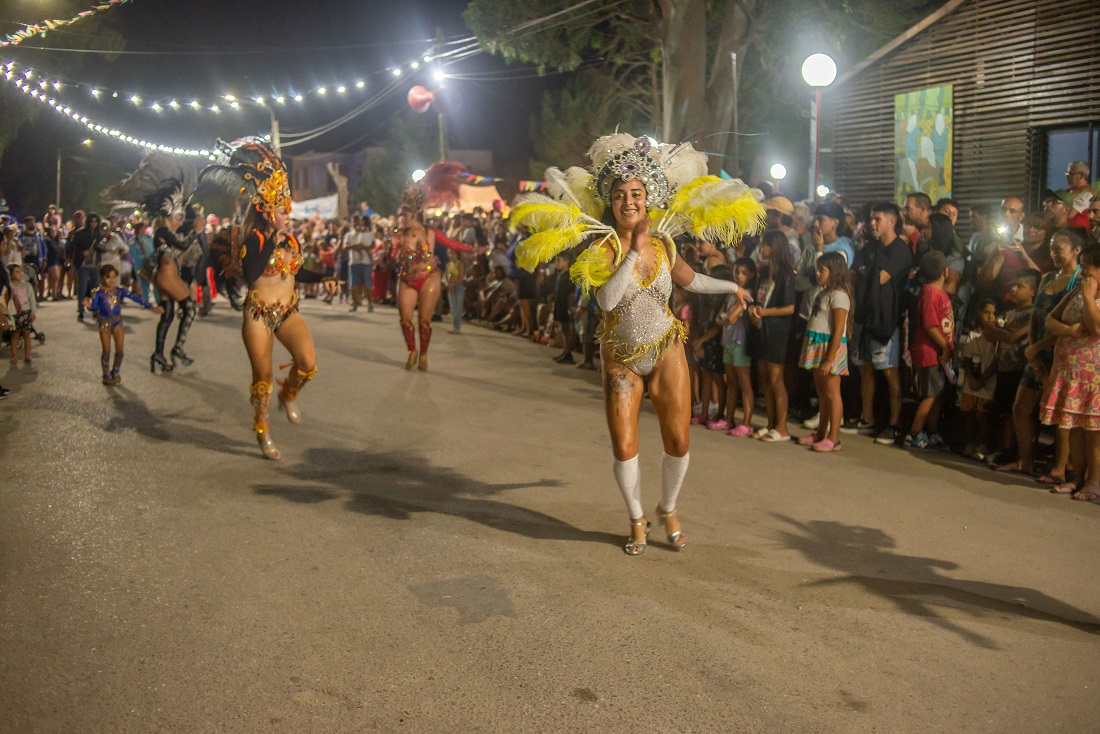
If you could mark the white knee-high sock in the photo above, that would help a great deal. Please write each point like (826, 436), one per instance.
(630, 484)
(673, 469)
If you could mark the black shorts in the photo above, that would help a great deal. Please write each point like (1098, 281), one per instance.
(526, 286)
(929, 382)
(1004, 394)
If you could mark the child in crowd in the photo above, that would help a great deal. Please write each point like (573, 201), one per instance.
(563, 308)
(681, 309)
(736, 360)
(825, 348)
(106, 303)
(1072, 397)
(978, 357)
(454, 280)
(771, 318)
(931, 348)
(1012, 337)
(22, 309)
(708, 351)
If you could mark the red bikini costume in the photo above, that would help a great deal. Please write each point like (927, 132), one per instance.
(414, 270)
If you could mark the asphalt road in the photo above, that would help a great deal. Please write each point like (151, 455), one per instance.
(441, 552)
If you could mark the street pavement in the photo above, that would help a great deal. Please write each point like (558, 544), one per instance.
(441, 552)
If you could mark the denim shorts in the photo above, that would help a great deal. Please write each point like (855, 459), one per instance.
(881, 356)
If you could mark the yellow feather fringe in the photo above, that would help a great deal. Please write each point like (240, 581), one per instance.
(717, 211)
(545, 246)
(544, 214)
(591, 269)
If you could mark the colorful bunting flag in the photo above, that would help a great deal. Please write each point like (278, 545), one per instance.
(39, 29)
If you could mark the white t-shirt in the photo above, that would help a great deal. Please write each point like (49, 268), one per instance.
(821, 318)
(359, 257)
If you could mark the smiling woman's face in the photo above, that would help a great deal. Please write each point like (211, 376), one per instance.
(628, 203)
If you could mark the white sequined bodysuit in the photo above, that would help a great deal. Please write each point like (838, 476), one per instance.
(641, 327)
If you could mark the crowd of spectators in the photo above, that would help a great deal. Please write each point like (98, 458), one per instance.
(950, 326)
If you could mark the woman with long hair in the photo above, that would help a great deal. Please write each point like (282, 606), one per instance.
(632, 268)
(771, 317)
(270, 261)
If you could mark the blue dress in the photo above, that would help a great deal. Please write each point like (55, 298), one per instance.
(107, 306)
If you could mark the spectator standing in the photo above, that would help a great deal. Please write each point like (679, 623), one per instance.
(883, 279)
(22, 308)
(931, 350)
(771, 318)
(1011, 335)
(1065, 250)
(1072, 397)
(358, 243)
(141, 256)
(84, 243)
(454, 280)
(825, 349)
(978, 381)
(1080, 194)
(55, 262)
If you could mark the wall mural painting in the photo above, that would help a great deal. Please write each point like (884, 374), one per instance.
(923, 131)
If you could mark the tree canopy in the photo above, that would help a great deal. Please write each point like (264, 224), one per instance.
(666, 65)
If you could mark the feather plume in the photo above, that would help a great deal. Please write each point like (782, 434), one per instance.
(681, 163)
(557, 226)
(715, 210)
(162, 181)
(591, 269)
(607, 147)
(441, 183)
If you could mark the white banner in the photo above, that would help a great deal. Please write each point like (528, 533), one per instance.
(327, 207)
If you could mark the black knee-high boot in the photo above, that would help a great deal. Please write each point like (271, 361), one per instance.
(162, 334)
(187, 315)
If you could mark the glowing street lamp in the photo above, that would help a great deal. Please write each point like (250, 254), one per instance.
(818, 71)
(778, 172)
(418, 174)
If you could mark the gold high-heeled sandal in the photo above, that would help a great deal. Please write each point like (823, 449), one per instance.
(635, 547)
(677, 539)
(411, 362)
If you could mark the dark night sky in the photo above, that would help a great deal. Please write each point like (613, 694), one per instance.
(304, 45)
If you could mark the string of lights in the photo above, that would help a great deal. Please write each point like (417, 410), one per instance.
(228, 99)
(25, 85)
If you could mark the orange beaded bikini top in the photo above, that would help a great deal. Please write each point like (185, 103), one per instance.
(286, 259)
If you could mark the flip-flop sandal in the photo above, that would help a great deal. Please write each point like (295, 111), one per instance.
(1050, 479)
(1064, 488)
(1086, 495)
(1011, 467)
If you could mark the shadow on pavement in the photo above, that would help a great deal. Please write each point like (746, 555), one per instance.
(914, 584)
(132, 414)
(398, 486)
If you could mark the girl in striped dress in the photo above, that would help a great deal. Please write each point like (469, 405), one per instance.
(825, 349)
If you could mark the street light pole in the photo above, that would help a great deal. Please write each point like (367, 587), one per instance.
(819, 71)
(57, 189)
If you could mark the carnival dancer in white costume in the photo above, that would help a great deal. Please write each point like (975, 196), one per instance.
(638, 196)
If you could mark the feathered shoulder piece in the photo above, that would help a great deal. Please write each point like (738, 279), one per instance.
(161, 185)
(713, 209)
(559, 222)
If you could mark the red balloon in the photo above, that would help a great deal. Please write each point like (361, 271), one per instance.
(420, 98)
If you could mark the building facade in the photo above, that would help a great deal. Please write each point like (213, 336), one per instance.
(1025, 77)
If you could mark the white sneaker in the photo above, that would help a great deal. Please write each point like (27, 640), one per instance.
(811, 424)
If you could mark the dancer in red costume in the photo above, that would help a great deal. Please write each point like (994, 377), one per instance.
(417, 265)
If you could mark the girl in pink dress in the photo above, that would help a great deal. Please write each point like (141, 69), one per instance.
(1072, 397)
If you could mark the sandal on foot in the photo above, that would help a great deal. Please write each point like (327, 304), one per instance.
(634, 547)
(1087, 495)
(267, 446)
(826, 446)
(1051, 479)
(676, 539)
(1064, 488)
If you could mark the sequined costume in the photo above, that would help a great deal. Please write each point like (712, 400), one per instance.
(262, 257)
(641, 327)
(637, 326)
(107, 306)
(248, 168)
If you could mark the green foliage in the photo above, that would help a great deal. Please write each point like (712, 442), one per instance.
(411, 142)
(623, 42)
(15, 108)
(572, 117)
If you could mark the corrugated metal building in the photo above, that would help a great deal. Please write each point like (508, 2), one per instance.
(1026, 78)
